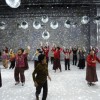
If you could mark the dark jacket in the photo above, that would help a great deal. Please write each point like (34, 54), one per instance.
(41, 72)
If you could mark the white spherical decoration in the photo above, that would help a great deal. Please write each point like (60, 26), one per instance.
(24, 25)
(54, 25)
(13, 3)
(67, 24)
(45, 35)
(36, 25)
(45, 19)
(85, 20)
(97, 20)
(2, 25)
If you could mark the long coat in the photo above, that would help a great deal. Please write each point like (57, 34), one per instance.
(91, 75)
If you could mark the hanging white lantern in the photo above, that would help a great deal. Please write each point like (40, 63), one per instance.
(85, 20)
(96, 19)
(36, 25)
(13, 3)
(24, 25)
(2, 25)
(67, 24)
(45, 35)
(74, 25)
(45, 19)
(54, 25)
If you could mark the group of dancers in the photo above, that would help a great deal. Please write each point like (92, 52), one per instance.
(41, 59)
(55, 53)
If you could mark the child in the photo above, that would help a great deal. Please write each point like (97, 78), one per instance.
(40, 80)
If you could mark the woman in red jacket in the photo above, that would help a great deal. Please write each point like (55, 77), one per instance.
(91, 75)
(45, 50)
(57, 59)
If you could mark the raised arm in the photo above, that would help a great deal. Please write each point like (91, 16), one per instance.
(98, 59)
(27, 50)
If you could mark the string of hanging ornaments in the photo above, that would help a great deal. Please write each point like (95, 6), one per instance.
(13, 3)
(53, 24)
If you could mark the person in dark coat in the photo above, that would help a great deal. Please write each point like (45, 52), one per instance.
(40, 75)
(74, 50)
(91, 75)
(81, 63)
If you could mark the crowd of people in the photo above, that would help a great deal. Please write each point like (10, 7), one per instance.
(19, 63)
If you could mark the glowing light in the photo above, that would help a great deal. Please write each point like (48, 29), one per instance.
(85, 20)
(2, 25)
(54, 25)
(36, 25)
(45, 19)
(67, 24)
(45, 35)
(24, 25)
(13, 3)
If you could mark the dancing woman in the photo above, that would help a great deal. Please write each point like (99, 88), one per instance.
(67, 53)
(46, 51)
(20, 65)
(57, 63)
(91, 75)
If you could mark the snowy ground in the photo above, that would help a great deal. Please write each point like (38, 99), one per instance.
(65, 85)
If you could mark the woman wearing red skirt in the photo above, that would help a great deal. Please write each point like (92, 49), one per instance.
(91, 75)
(57, 59)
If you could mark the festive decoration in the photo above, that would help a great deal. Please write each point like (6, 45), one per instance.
(13, 3)
(74, 25)
(2, 25)
(45, 19)
(54, 24)
(67, 24)
(45, 35)
(24, 25)
(85, 20)
(97, 19)
(36, 25)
